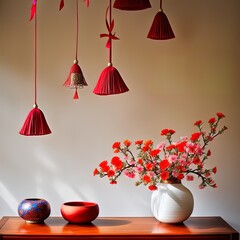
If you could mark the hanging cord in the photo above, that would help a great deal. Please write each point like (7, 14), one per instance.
(76, 56)
(161, 6)
(35, 58)
(110, 34)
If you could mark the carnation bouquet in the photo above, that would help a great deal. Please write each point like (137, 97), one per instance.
(169, 161)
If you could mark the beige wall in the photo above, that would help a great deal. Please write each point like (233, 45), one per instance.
(172, 84)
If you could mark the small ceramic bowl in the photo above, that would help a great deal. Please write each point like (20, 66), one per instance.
(79, 212)
(34, 210)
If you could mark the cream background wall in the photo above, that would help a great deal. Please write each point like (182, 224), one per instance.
(172, 84)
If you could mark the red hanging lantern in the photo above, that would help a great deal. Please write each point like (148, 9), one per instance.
(75, 78)
(35, 123)
(131, 5)
(161, 28)
(110, 81)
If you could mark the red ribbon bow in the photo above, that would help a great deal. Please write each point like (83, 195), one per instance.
(110, 28)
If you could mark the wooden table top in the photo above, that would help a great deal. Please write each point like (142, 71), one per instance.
(118, 226)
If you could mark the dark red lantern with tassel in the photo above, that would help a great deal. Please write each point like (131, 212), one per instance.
(110, 81)
(161, 28)
(35, 123)
(75, 78)
(132, 5)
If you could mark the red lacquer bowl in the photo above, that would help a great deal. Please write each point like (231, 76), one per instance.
(79, 212)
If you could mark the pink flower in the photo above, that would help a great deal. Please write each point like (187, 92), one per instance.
(139, 168)
(129, 174)
(172, 158)
(161, 145)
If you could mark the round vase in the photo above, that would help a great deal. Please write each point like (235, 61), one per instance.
(172, 203)
(34, 210)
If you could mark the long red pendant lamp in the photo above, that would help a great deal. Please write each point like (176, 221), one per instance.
(131, 5)
(75, 77)
(35, 123)
(110, 81)
(161, 28)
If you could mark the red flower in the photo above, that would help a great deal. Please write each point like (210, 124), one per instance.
(164, 164)
(146, 179)
(154, 152)
(140, 161)
(181, 146)
(139, 142)
(149, 166)
(198, 123)
(110, 173)
(152, 187)
(171, 131)
(170, 147)
(164, 175)
(95, 172)
(118, 164)
(145, 148)
(127, 143)
(212, 120)
(180, 176)
(113, 182)
(214, 170)
(196, 160)
(166, 131)
(220, 115)
(116, 145)
(209, 153)
(148, 143)
(195, 136)
(104, 166)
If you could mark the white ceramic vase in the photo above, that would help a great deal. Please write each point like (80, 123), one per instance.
(172, 203)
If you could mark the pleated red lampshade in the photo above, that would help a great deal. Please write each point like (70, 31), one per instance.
(110, 82)
(161, 28)
(131, 5)
(35, 123)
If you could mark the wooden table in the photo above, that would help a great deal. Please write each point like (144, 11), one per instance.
(117, 228)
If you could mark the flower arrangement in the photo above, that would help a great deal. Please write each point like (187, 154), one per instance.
(168, 162)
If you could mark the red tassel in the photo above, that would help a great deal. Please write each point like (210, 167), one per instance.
(110, 82)
(61, 5)
(131, 5)
(35, 124)
(75, 96)
(161, 28)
